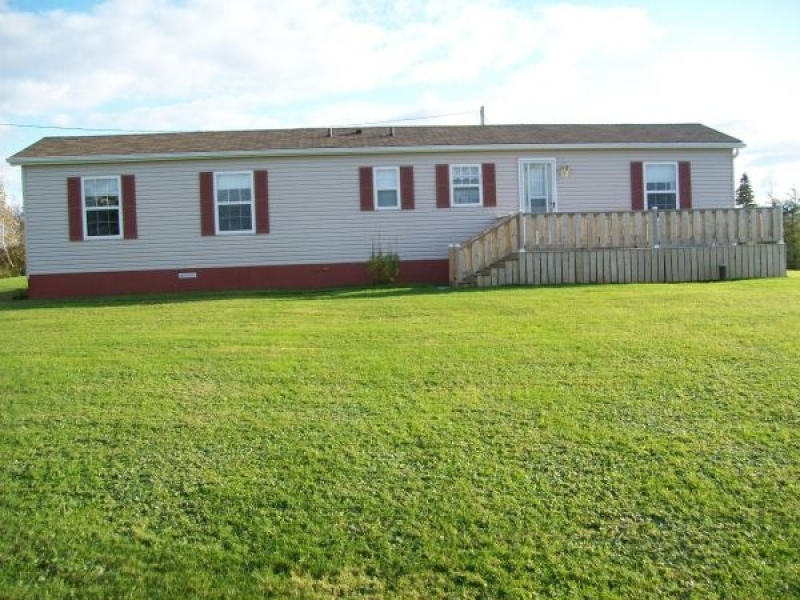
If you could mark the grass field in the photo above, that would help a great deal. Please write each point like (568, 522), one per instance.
(609, 441)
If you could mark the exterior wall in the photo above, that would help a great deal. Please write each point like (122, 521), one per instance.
(600, 180)
(72, 285)
(314, 209)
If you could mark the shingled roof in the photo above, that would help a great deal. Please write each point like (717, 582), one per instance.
(209, 143)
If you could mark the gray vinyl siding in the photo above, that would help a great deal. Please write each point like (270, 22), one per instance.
(315, 214)
(600, 180)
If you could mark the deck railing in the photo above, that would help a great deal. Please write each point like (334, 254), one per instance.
(614, 230)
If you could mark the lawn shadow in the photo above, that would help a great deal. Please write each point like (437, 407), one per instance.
(9, 293)
(13, 300)
(14, 297)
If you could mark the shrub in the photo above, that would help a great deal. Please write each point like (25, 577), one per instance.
(383, 267)
(12, 261)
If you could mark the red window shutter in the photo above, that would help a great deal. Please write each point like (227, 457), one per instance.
(75, 209)
(407, 188)
(685, 185)
(637, 186)
(262, 201)
(131, 231)
(207, 203)
(489, 184)
(442, 186)
(366, 188)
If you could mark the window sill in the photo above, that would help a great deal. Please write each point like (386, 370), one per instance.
(235, 233)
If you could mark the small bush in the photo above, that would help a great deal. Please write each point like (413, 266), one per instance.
(12, 263)
(383, 267)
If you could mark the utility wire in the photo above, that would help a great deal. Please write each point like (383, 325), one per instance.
(116, 130)
(422, 118)
(36, 126)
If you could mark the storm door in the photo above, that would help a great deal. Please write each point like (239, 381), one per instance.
(537, 186)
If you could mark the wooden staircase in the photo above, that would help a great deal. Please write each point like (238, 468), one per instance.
(505, 271)
(474, 260)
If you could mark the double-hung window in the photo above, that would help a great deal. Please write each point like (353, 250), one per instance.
(387, 188)
(233, 196)
(661, 185)
(102, 207)
(465, 185)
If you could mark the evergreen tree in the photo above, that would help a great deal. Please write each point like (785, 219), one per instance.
(744, 193)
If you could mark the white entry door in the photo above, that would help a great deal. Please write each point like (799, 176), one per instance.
(537, 186)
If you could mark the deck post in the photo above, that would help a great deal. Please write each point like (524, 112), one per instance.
(523, 235)
(453, 251)
(777, 219)
(655, 219)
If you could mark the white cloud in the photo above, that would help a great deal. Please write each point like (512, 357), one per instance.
(142, 52)
(132, 51)
(203, 64)
(589, 62)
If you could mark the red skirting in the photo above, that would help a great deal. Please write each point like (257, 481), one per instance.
(76, 285)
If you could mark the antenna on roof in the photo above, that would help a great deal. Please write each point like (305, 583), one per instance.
(483, 116)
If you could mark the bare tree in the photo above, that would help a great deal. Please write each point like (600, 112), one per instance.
(12, 231)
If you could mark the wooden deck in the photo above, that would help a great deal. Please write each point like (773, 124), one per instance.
(623, 247)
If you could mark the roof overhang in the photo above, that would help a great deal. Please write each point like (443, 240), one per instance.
(382, 150)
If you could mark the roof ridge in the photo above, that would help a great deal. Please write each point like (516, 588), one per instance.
(366, 138)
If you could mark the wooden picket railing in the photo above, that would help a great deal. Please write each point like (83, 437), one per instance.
(700, 228)
(485, 248)
(651, 229)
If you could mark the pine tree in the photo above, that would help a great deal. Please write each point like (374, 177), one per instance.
(744, 193)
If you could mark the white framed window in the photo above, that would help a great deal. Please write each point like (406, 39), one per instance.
(387, 188)
(233, 202)
(661, 185)
(465, 185)
(102, 207)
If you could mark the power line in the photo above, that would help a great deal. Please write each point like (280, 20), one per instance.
(422, 118)
(117, 130)
(60, 128)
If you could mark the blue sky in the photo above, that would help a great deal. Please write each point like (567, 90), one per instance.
(240, 64)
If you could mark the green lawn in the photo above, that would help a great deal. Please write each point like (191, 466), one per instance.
(11, 287)
(609, 441)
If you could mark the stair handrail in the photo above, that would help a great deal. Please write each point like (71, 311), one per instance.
(481, 250)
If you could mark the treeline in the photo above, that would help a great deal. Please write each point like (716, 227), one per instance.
(12, 238)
